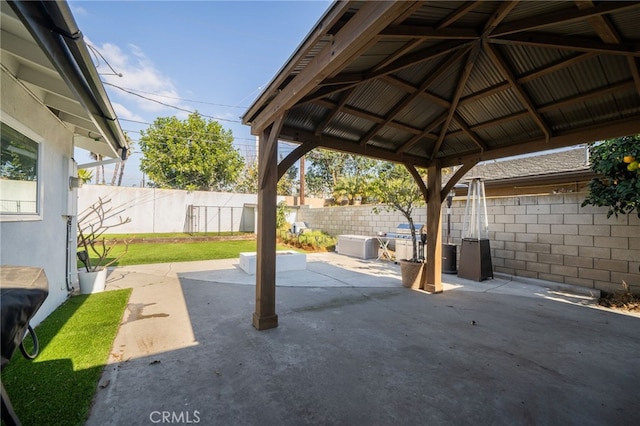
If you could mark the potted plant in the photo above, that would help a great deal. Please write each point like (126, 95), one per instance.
(397, 190)
(93, 248)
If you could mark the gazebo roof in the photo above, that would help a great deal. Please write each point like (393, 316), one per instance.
(458, 81)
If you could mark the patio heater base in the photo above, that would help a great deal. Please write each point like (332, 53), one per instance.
(475, 260)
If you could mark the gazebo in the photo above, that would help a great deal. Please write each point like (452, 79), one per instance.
(434, 84)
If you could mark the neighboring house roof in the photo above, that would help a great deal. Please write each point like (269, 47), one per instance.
(44, 50)
(556, 163)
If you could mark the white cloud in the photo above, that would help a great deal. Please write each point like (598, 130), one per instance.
(153, 90)
(78, 10)
(125, 113)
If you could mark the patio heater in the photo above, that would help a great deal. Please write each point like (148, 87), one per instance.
(475, 252)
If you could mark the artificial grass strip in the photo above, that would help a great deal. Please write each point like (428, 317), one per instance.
(58, 386)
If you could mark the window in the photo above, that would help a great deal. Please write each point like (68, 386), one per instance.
(18, 173)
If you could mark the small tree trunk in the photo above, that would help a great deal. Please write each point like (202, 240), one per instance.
(121, 172)
(414, 243)
(115, 173)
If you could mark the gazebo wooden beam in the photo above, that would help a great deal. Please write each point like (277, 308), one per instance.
(349, 41)
(585, 134)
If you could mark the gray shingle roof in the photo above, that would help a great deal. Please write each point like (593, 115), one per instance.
(571, 160)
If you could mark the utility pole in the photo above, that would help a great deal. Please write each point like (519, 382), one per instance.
(302, 180)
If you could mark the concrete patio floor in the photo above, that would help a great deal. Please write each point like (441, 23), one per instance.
(354, 347)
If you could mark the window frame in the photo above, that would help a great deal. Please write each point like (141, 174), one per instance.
(39, 140)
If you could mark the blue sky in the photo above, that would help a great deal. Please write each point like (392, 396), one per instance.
(209, 56)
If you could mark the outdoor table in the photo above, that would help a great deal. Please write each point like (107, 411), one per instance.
(23, 289)
(383, 253)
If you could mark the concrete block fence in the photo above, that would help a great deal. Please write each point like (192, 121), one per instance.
(547, 237)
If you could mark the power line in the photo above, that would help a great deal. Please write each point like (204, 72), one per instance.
(150, 124)
(169, 105)
(177, 98)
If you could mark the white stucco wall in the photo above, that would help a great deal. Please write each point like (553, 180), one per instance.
(166, 210)
(40, 240)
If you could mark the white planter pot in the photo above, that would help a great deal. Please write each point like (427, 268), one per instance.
(92, 282)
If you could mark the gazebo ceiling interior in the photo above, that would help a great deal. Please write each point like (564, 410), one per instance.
(415, 82)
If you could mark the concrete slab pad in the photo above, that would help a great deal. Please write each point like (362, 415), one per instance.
(496, 352)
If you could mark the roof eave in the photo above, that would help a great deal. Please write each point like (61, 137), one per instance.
(54, 29)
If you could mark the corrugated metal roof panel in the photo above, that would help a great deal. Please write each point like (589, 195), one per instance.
(348, 127)
(573, 29)
(305, 118)
(313, 52)
(419, 113)
(457, 144)
(524, 59)
(493, 107)
(535, 8)
(376, 96)
(445, 85)
(436, 12)
(417, 73)
(614, 68)
(626, 23)
(376, 54)
(486, 75)
(551, 88)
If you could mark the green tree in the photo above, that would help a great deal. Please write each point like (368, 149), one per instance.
(398, 191)
(248, 180)
(342, 175)
(325, 168)
(617, 185)
(194, 154)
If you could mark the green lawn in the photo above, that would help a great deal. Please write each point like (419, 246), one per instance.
(57, 387)
(147, 253)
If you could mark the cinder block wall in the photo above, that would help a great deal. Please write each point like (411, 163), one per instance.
(548, 237)
(356, 220)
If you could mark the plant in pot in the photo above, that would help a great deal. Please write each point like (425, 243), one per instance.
(94, 249)
(396, 189)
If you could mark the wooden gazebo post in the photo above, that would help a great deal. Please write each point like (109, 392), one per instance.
(265, 315)
(432, 278)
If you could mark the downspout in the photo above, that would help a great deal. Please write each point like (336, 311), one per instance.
(68, 253)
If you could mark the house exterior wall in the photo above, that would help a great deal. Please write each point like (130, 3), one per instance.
(40, 240)
(547, 237)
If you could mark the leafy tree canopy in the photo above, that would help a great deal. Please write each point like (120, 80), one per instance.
(618, 183)
(345, 176)
(194, 154)
(248, 180)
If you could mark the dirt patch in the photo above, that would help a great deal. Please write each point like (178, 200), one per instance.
(622, 300)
